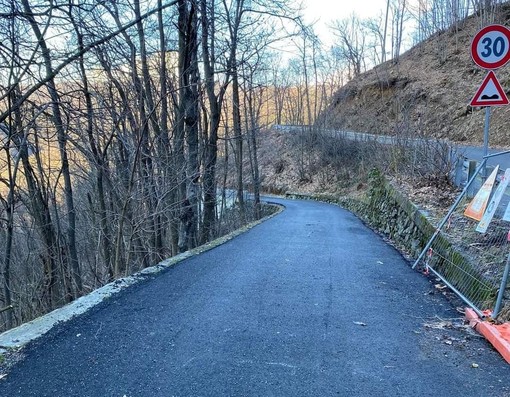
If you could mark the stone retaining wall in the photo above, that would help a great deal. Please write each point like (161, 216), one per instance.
(393, 215)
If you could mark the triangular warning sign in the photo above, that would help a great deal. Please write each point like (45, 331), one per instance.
(490, 93)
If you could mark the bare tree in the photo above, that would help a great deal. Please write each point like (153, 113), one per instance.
(377, 30)
(62, 142)
(215, 100)
(400, 15)
(187, 123)
(351, 43)
(111, 137)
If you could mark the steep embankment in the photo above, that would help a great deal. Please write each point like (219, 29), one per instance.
(426, 92)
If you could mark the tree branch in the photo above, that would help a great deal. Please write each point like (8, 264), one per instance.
(77, 55)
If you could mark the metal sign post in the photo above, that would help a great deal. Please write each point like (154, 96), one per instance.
(490, 49)
(501, 292)
(486, 139)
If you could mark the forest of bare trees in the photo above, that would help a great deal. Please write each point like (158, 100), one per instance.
(125, 125)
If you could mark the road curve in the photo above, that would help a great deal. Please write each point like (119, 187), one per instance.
(309, 303)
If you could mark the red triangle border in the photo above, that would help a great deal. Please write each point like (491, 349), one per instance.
(476, 101)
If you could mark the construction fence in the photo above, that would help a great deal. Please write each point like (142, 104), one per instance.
(470, 249)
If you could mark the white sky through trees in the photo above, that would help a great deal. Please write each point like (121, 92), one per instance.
(323, 12)
(338, 9)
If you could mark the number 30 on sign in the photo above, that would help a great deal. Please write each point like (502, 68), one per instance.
(490, 49)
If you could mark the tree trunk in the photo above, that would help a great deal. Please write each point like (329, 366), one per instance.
(215, 102)
(9, 213)
(39, 209)
(251, 120)
(98, 162)
(163, 141)
(151, 116)
(62, 143)
(238, 137)
(187, 124)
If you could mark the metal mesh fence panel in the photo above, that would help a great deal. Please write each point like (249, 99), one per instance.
(469, 254)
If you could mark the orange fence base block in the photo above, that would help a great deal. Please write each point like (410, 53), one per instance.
(497, 335)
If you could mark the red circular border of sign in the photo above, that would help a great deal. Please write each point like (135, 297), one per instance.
(474, 44)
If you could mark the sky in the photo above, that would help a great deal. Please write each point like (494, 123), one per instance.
(325, 11)
(338, 9)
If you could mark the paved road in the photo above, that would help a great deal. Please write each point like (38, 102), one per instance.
(476, 153)
(467, 151)
(309, 303)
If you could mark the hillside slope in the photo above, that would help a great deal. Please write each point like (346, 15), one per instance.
(426, 93)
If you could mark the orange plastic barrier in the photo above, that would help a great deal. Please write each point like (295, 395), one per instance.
(497, 334)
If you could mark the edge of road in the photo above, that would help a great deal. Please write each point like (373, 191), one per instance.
(498, 335)
(21, 335)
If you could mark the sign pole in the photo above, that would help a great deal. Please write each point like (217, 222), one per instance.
(486, 138)
(490, 49)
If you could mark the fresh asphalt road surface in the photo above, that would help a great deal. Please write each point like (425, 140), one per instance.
(309, 303)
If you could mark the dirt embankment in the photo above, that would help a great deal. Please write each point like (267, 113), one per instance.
(427, 92)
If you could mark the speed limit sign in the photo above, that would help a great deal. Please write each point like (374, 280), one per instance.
(490, 48)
